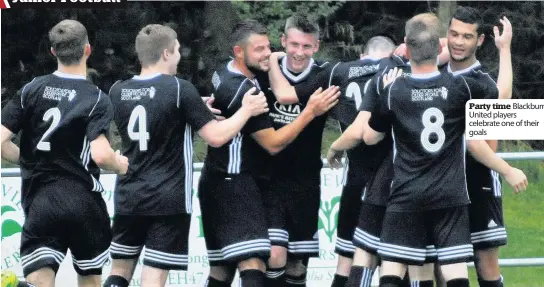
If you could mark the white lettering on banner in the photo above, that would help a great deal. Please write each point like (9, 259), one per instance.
(320, 271)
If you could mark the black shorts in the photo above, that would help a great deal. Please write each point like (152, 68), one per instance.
(485, 211)
(65, 215)
(414, 238)
(165, 237)
(233, 217)
(378, 187)
(293, 212)
(350, 204)
(369, 227)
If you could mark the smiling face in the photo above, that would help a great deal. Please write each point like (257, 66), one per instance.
(299, 47)
(257, 53)
(463, 40)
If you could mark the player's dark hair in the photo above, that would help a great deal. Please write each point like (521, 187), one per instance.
(302, 24)
(244, 29)
(379, 43)
(152, 40)
(469, 15)
(423, 41)
(68, 39)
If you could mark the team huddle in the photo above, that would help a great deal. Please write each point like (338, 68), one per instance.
(414, 201)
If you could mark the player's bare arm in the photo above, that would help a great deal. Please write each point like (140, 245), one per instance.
(348, 140)
(319, 103)
(483, 153)
(104, 156)
(285, 93)
(10, 151)
(503, 41)
(372, 137)
(217, 133)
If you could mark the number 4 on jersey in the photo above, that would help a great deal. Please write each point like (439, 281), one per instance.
(142, 136)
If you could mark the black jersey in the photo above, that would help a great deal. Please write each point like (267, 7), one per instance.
(242, 153)
(59, 115)
(302, 158)
(427, 113)
(489, 91)
(156, 116)
(354, 78)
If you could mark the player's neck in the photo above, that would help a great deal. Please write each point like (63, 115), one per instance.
(152, 70)
(240, 66)
(423, 69)
(80, 69)
(461, 65)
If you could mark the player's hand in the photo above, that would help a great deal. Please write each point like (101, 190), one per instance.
(516, 179)
(277, 55)
(322, 101)
(209, 102)
(400, 50)
(255, 104)
(503, 41)
(391, 76)
(122, 163)
(334, 158)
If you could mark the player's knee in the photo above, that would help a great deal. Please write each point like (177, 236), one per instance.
(296, 267)
(421, 273)
(278, 257)
(42, 277)
(252, 263)
(487, 263)
(89, 281)
(364, 258)
(222, 273)
(454, 271)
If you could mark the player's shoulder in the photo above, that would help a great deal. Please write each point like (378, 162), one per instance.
(226, 77)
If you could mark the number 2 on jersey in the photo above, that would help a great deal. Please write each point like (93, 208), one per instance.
(142, 136)
(51, 113)
(430, 128)
(354, 91)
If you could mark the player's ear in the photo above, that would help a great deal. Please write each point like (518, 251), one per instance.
(165, 54)
(87, 50)
(283, 40)
(481, 39)
(408, 53)
(53, 52)
(238, 51)
(317, 46)
(439, 49)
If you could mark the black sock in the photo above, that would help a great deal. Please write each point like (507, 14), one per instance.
(459, 282)
(116, 281)
(485, 283)
(339, 280)
(275, 277)
(359, 276)
(295, 281)
(251, 278)
(212, 282)
(426, 283)
(390, 281)
(406, 281)
(24, 284)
